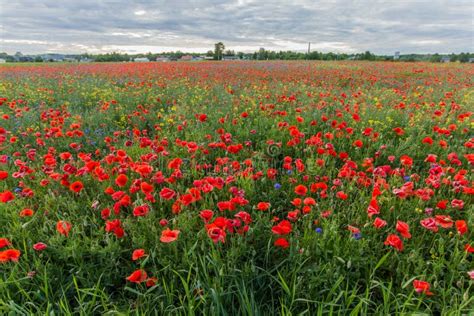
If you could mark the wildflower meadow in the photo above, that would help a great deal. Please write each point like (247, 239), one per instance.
(237, 188)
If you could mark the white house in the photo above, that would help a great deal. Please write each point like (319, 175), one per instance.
(230, 58)
(141, 59)
(2, 61)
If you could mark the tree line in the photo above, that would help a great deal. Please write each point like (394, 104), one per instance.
(220, 53)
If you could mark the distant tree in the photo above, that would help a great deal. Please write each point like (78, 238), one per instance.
(218, 50)
(368, 56)
(210, 53)
(463, 57)
(262, 54)
(315, 55)
(436, 58)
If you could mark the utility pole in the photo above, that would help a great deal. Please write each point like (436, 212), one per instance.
(309, 47)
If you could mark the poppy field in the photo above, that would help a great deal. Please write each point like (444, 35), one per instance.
(254, 188)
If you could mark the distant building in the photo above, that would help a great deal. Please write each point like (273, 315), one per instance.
(162, 59)
(471, 60)
(70, 60)
(198, 58)
(141, 60)
(230, 58)
(86, 60)
(26, 59)
(2, 61)
(186, 58)
(396, 56)
(209, 58)
(53, 57)
(445, 59)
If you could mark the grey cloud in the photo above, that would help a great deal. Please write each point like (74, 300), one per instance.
(350, 26)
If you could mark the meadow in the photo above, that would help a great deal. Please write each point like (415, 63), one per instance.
(253, 188)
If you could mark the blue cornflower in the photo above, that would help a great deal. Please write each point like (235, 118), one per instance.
(406, 178)
(357, 236)
(277, 186)
(319, 230)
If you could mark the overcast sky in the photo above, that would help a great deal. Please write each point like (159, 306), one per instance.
(383, 27)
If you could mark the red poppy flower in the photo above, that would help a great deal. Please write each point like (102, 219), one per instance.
(6, 196)
(169, 235)
(138, 276)
(27, 213)
(444, 221)
(301, 189)
(430, 224)
(115, 227)
(341, 195)
(76, 186)
(403, 229)
(146, 187)
(461, 227)
(394, 241)
(225, 206)
(263, 206)
(206, 215)
(281, 242)
(379, 223)
(442, 204)
(458, 204)
(469, 248)
(151, 281)
(244, 216)
(358, 143)
(283, 228)
(167, 194)
(137, 254)
(63, 227)
(216, 233)
(406, 160)
(399, 131)
(422, 287)
(141, 210)
(3, 175)
(40, 246)
(373, 208)
(10, 255)
(427, 140)
(121, 180)
(4, 242)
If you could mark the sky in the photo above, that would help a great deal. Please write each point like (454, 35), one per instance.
(350, 26)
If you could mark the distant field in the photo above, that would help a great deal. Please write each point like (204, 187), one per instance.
(255, 188)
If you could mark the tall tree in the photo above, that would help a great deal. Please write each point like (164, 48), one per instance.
(218, 50)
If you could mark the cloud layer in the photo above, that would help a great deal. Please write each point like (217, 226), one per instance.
(36, 26)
